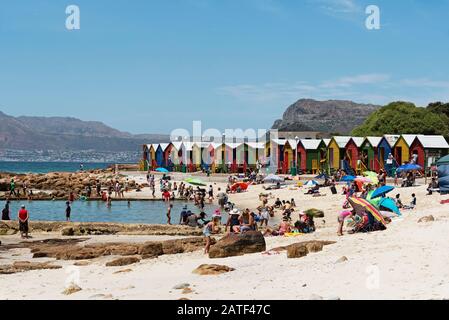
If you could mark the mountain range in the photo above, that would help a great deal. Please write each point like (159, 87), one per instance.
(64, 133)
(332, 116)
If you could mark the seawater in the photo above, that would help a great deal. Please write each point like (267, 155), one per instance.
(145, 212)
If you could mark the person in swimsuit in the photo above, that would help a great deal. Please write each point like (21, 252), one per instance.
(211, 228)
(233, 222)
(283, 228)
(170, 206)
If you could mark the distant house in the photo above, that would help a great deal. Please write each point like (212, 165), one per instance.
(428, 149)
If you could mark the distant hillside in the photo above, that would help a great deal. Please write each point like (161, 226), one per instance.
(59, 133)
(330, 116)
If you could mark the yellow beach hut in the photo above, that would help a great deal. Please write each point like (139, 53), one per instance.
(336, 151)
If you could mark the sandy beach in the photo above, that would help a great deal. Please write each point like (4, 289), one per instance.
(407, 261)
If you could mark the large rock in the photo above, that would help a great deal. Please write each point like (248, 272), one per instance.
(301, 249)
(238, 244)
(212, 269)
(122, 261)
(426, 219)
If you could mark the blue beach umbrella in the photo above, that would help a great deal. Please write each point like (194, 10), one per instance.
(408, 167)
(379, 192)
(162, 170)
(348, 178)
(310, 183)
(389, 204)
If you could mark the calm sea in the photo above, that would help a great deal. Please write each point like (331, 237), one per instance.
(149, 212)
(45, 167)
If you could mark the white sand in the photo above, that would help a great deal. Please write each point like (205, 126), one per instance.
(407, 261)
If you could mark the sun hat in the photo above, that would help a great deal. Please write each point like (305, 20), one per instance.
(22, 206)
(235, 211)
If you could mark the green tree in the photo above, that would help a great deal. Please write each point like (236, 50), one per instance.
(403, 118)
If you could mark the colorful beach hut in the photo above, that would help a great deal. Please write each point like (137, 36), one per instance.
(385, 147)
(311, 153)
(352, 149)
(369, 153)
(255, 152)
(401, 149)
(336, 151)
(426, 150)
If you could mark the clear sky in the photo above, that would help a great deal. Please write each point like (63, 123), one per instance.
(150, 66)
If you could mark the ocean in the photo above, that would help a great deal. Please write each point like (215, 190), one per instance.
(45, 167)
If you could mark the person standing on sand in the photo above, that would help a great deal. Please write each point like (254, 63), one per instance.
(209, 229)
(169, 213)
(23, 222)
(68, 211)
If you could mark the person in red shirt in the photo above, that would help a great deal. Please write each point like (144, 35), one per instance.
(23, 222)
(166, 195)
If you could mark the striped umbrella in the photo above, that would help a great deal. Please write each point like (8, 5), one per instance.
(361, 205)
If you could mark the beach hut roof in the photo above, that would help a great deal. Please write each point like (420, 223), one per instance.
(358, 141)
(280, 142)
(391, 139)
(164, 146)
(409, 138)
(256, 145)
(188, 145)
(342, 141)
(292, 143)
(155, 145)
(177, 145)
(433, 142)
(374, 141)
(310, 144)
(327, 141)
(233, 145)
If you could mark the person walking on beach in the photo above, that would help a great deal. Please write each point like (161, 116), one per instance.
(23, 222)
(169, 213)
(209, 229)
(12, 188)
(5, 211)
(68, 211)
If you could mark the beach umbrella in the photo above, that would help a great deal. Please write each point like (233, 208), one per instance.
(311, 183)
(322, 176)
(243, 186)
(370, 174)
(379, 192)
(273, 178)
(363, 180)
(348, 178)
(375, 201)
(389, 204)
(162, 170)
(195, 181)
(362, 205)
(408, 167)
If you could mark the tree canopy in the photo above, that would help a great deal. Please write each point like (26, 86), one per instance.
(405, 118)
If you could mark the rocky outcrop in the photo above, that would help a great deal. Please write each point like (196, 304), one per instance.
(324, 116)
(122, 262)
(22, 266)
(212, 269)
(59, 184)
(426, 219)
(301, 249)
(71, 249)
(99, 228)
(238, 244)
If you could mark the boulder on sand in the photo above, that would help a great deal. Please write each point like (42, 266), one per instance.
(238, 244)
(122, 261)
(212, 269)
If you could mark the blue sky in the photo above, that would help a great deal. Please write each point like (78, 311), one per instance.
(150, 66)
